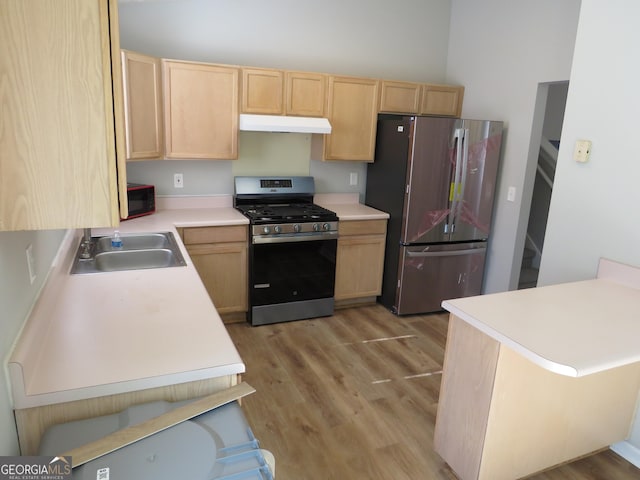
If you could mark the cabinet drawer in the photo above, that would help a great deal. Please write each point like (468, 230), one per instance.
(362, 227)
(195, 235)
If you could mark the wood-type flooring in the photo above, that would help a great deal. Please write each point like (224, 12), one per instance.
(354, 396)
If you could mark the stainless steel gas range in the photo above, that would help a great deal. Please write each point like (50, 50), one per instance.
(292, 250)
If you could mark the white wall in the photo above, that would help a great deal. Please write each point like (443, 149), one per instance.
(595, 206)
(500, 51)
(17, 295)
(259, 153)
(404, 40)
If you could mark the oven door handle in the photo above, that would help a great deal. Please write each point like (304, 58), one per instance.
(297, 237)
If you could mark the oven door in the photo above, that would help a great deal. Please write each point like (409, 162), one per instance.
(297, 274)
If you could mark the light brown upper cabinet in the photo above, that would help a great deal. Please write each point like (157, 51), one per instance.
(200, 110)
(262, 91)
(143, 105)
(62, 115)
(445, 100)
(399, 97)
(305, 94)
(277, 92)
(352, 108)
(421, 98)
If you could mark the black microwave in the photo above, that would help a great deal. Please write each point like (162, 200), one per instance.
(141, 199)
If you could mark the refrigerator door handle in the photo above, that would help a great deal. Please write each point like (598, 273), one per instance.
(446, 253)
(453, 192)
(460, 182)
(465, 165)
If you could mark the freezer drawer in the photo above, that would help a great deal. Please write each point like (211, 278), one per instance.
(429, 274)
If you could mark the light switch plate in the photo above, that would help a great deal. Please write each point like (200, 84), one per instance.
(582, 151)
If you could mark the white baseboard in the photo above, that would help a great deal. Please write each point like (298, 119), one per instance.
(629, 452)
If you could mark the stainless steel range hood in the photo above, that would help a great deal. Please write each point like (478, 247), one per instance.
(278, 123)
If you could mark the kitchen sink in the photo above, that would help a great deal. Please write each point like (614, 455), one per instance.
(138, 241)
(135, 259)
(139, 251)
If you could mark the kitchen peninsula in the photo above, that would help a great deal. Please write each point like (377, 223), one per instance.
(537, 377)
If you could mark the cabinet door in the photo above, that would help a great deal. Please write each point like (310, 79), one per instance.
(444, 100)
(399, 97)
(352, 111)
(201, 110)
(223, 270)
(60, 111)
(305, 94)
(359, 264)
(143, 105)
(262, 91)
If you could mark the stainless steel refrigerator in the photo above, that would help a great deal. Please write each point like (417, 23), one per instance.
(436, 178)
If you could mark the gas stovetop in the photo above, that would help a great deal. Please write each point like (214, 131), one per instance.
(288, 213)
(282, 200)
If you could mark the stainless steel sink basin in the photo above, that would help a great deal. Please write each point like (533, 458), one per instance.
(135, 259)
(138, 251)
(138, 241)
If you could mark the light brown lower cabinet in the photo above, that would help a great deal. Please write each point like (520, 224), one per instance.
(359, 261)
(220, 256)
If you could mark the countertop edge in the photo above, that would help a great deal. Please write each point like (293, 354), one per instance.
(574, 329)
(22, 401)
(355, 211)
(545, 363)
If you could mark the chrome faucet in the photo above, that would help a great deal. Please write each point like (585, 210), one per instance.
(86, 244)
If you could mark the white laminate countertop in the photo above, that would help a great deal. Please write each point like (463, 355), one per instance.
(573, 329)
(347, 208)
(108, 333)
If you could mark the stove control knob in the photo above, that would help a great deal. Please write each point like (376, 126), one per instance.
(277, 229)
(316, 227)
(296, 228)
(325, 226)
(266, 230)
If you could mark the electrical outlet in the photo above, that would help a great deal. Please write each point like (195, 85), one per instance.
(31, 264)
(178, 181)
(353, 178)
(582, 151)
(511, 194)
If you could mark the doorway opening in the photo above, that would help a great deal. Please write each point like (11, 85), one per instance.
(549, 143)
